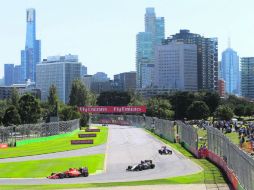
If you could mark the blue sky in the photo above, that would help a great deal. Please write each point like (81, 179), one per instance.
(102, 32)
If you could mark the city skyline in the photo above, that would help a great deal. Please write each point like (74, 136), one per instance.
(95, 33)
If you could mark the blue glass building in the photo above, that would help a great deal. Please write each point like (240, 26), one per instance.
(8, 74)
(145, 47)
(31, 55)
(230, 71)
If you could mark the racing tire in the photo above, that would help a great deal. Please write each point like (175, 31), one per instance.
(61, 176)
(152, 166)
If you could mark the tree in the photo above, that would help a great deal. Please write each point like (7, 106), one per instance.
(14, 100)
(239, 110)
(161, 108)
(69, 113)
(198, 110)
(212, 100)
(53, 101)
(52, 98)
(29, 109)
(3, 106)
(224, 112)
(113, 98)
(11, 116)
(136, 100)
(180, 102)
(79, 96)
(249, 110)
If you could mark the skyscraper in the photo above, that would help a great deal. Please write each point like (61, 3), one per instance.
(31, 55)
(207, 57)
(145, 46)
(60, 71)
(125, 81)
(230, 71)
(176, 66)
(247, 76)
(8, 74)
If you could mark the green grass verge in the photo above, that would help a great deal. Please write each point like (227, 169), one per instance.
(43, 139)
(43, 168)
(53, 145)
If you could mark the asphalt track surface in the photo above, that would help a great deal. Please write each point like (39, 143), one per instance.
(127, 146)
(71, 153)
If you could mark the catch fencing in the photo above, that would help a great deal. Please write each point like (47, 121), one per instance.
(37, 130)
(238, 165)
(188, 136)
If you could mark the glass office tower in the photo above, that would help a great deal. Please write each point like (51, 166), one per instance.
(31, 55)
(230, 71)
(146, 43)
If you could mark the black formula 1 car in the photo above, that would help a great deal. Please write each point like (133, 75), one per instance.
(72, 172)
(165, 150)
(144, 165)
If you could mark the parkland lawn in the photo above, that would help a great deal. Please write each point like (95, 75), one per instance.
(53, 145)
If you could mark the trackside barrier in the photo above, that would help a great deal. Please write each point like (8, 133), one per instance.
(188, 136)
(37, 130)
(238, 165)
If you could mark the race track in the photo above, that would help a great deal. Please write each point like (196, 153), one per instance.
(127, 146)
(71, 153)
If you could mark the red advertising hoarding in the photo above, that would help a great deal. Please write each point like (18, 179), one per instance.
(112, 109)
(3, 145)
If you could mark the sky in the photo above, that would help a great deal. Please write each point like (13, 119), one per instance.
(103, 32)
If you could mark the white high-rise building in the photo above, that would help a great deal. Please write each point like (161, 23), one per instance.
(60, 71)
(176, 67)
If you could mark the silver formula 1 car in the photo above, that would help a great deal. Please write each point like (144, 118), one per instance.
(143, 165)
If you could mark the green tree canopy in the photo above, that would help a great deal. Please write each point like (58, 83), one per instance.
(11, 116)
(136, 100)
(3, 107)
(69, 113)
(212, 100)
(224, 112)
(52, 98)
(249, 110)
(198, 110)
(53, 101)
(114, 98)
(79, 96)
(29, 109)
(239, 110)
(14, 100)
(180, 102)
(161, 108)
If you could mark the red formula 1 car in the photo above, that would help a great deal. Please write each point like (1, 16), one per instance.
(72, 172)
